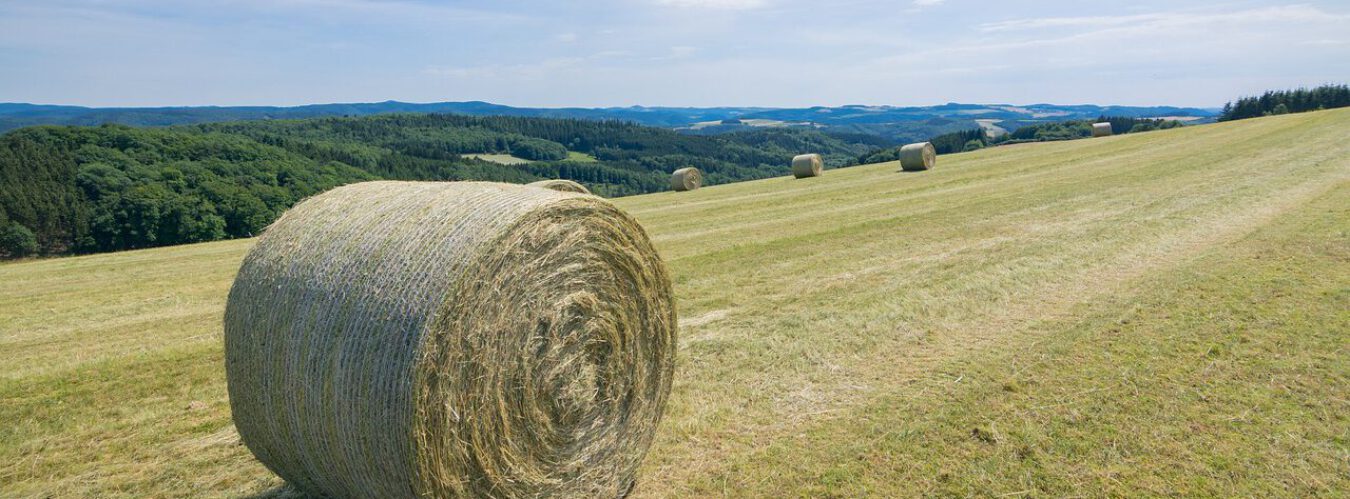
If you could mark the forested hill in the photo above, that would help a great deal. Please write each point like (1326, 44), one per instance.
(900, 124)
(18, 115)
(112, 187)
(1276, 102)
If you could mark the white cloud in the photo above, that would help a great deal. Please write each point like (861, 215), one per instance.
(928, 3)
(529, 71)
(1281, 14)
(1067, 22)
(537, 71)
(715, 4)
(1326, 43)
(610, 54)
(1164, 35)
(1188, 57)
(682, 51)
(970, 70)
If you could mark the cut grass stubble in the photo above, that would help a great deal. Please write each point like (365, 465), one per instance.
(1156, 312)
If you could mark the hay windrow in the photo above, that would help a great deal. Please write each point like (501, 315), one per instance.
(412, 339)
(807, 165)
(918, 157)
(1102, 129)
(561, 185)
(686, 179)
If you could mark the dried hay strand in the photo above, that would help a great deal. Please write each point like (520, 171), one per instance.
(686, 179)
(1102, 129)
(561, 185)
(807, 165)
(426, 339)
(918, 157)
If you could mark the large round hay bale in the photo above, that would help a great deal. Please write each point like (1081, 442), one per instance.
(686, 179)
(561, 185)
(918, 157)
(1101, 129)
(807, 165)
(424, 339)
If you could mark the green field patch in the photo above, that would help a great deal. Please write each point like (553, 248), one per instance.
(501, 159)
(580, 157)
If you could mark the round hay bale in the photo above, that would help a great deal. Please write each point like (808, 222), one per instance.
(918, 157)
(1101, 129)
(686, 179)
(428, 339)
(807, 165)
(561, 185)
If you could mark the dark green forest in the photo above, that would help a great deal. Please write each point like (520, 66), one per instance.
(1287, 101)
(112, 187)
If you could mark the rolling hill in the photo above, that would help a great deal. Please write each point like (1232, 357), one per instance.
(901, 124)
(1147, 314)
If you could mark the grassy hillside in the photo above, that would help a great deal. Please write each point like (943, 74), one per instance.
(1161, 313)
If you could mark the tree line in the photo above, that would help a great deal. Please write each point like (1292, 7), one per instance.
(1287, 101)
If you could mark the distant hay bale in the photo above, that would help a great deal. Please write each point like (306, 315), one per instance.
(918, 157)
(561, 185)
(686, 179)
(1101, 129)
(807, 165)
(434, 339)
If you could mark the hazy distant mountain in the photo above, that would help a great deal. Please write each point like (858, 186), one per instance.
(897, 123)
(16, 115)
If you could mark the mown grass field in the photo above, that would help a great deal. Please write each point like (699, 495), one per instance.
(1155, 314)
(507, 159)
(501, 159)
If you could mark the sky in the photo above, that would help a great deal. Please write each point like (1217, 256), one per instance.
(564, 53)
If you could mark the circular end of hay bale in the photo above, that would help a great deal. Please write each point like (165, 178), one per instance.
(686, 179)
(1101, 129)
(807, 165)
(561, 185)
(918, 157)
(424, 339)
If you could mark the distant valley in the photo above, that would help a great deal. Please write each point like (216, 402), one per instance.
(898, 124)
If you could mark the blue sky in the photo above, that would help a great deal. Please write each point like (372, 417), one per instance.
(665, 52)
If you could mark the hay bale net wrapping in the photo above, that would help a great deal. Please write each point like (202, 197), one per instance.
(686, 179)
(1101, 129)
(561, 185)
(807, 165)
(411, 339)
(918, 157)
